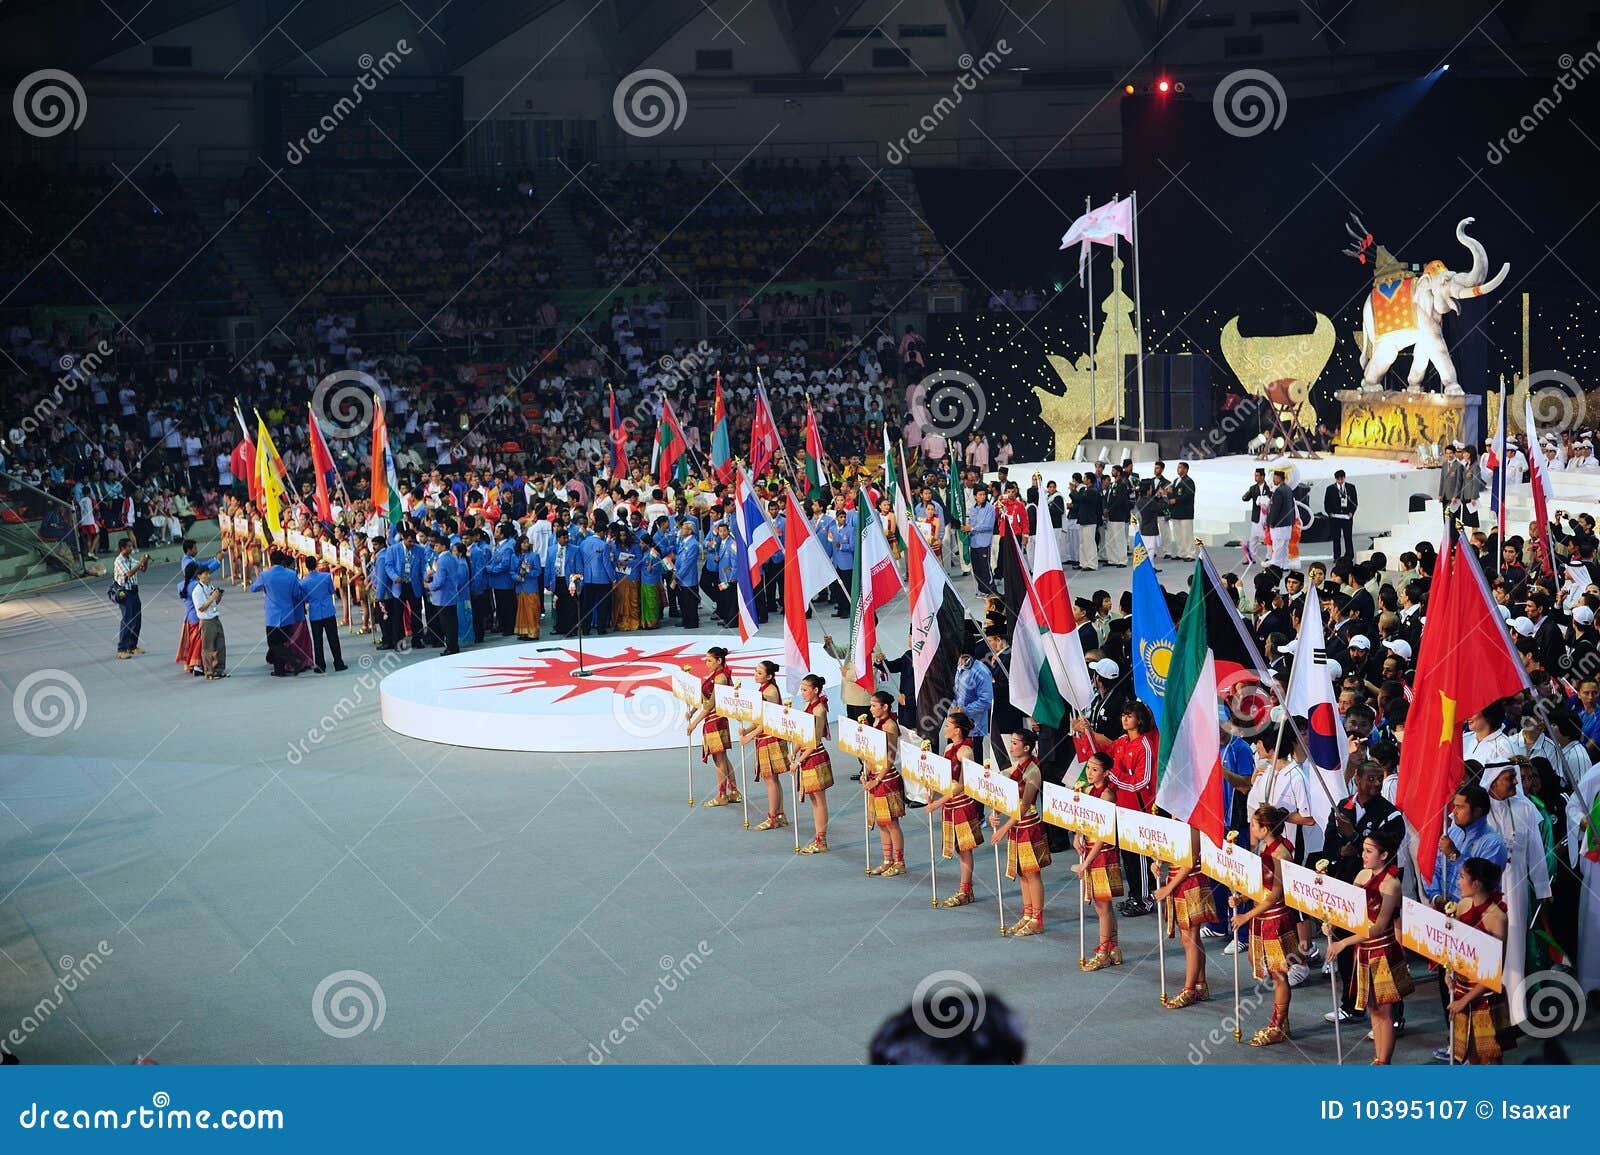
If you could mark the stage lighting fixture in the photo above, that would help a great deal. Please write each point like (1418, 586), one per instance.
(1446, 68)
(1163, 85)
(1128, 88)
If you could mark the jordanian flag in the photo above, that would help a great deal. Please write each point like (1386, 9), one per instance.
(937, 622)
(1189, 766)
(671, 449)
(815, 480)
(873, 585)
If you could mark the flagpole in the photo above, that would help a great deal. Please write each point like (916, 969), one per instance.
(1333, 986)
(688, 742)
(1118, 380)
(933, 861)
(1138, 307)
(1093, 413)
(1083, 888)
(742, 795)
(1161, 932)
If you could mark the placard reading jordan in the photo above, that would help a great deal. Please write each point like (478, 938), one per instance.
(538, 696)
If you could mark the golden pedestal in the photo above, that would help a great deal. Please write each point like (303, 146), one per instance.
(1392, 423)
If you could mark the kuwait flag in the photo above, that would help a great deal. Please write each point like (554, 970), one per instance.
(1310, 693)
(721, 452)
(1189, 766)
(322, 465)
(1047, 670)
(671, 457)
(385, 484)
(937, 620)
(807, 571)
(815, 479)
(873, 585)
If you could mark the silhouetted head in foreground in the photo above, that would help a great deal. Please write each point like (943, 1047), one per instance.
(950, 1024)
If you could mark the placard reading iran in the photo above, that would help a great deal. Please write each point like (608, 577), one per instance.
(739, 703)
(1453, 944)
(686, 688)
(1235, 867)
(859, 740)
(790, 725)
(1094, 818)
(1342, 903)
(1163, 839)
(992, 788)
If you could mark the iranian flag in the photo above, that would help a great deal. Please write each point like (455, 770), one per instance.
(1047, 669)
(1189, 766)
(937, 620)
(807, 571)
(873, 585)
(895, 488)
(815, 479)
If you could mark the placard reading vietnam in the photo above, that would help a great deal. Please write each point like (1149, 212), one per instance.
(790, 725)
(1163, 839)
(990, 787)
(1470, 952)
(858, 740)
(739, 703)
(1094, 818)
(1327, 899)
(1235, 867)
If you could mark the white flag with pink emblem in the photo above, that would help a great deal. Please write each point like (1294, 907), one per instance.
(1099, 226)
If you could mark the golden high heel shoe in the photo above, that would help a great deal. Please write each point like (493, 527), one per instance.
(1016, 926)
(1027, 926)
(772, 822)
(719, 800)
(881, 868)
(959, 898)
(893, 869)
(818, 845)
(734, 796)
(1273, 1033)
(1183, 998)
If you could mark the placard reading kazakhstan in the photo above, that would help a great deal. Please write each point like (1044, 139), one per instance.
(1328, 899)
(1464, 949)
(1094, 818)
(868, 743)
(991, 787)
(1163, 839)
(1235, 867)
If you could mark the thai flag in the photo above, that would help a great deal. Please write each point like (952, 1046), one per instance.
(755, 542)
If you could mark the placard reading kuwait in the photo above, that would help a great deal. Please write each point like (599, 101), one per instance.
(1094, 818)
(859, 740)
(1235, 867)
(1163, 839)
(992, 788)
(1468, 951)
(1342, 903)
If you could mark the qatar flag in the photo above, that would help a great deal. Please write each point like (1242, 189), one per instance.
(1310, 696)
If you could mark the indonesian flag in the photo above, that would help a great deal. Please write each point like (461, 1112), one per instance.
(1543, 490)
(242, 461)
(1047, 670)
(765, 444)
(322, 466)
(937, 622)
(807, 571)
(893, 487)
(1190, 762)
(1310, 692)
(755, 542)
(722, 466)
(618, 436)
(671, 458)
(873, 586)
(385, 484)
(815, 480)
(1099, 226)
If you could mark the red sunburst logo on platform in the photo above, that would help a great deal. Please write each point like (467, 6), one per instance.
(621, 673)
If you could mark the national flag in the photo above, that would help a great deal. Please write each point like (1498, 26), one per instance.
(895, 488)
(755, 543)
(814, 475)
(618, 436)
(1543, 490)
(1498, 458)
(322, 465)
(807, 571)
(1238, 658)
(1154, 635)
(955, 507)
(1189, 766)
(1044, 676)
(765, 443)
(722, 466)
(242, 461)
(1464, 662)
(671, 457)
(1099, 226)
(1310, 693)
(269, 474)
(873, 586)
(385, 485)
(937, 625)
(1063, 648)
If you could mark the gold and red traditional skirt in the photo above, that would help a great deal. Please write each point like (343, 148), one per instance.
(887, 800)
(816, 772)
(714, 737)
(771, 758)
(1274, 945)
(1482, 1032)
(1103, 879)
(1027, 850)
(188, 655)
(1191, 905)
(530, 607)
(960, 825)
(1382, 975)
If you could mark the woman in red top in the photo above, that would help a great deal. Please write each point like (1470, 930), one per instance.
(963, 833)
(772, 760)
(886, 792)
(1133, 777)
(1189, 907)
(714, 735)
(1027, 851)
(1274, 944)
(814, 768)
(1015, 511)
(1382, 977)
(1101, 868)
(1480, 1023)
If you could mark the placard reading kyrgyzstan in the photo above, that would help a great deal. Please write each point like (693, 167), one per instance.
(1235, 867)
(1342, 903)
(739, 703)
(686, 688)
(992, 788)
(859, 740)
(1163, 839)
(1094, 818)
(790, 725)
(1436, 936)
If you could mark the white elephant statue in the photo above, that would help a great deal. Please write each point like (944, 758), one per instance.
(1422, 301)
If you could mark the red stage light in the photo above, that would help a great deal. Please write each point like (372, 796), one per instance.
(1163, 85)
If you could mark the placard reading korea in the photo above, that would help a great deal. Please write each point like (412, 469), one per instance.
(1094, 818)
(858, 740)
(1235, 867)
(992, 788)
(1451, 943)
(1327, 899)
(1163, 839)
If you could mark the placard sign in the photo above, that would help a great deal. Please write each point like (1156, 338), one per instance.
(1163, 839)
(992, 788)
(1324, 898)
(1470, 952)
(1094, 818)
(1235, 867)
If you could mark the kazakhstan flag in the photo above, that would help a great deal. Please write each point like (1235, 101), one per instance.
(1153, 632)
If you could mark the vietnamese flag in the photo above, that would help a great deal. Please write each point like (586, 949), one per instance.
(1464, 662)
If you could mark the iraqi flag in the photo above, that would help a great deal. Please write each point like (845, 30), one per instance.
(1310, 693)
(1189, 765)
(755, 542)
(326, 472)
(807, 571)
(937, 623)
(872, 587)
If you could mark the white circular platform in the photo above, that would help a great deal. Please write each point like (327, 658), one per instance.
(528, 697)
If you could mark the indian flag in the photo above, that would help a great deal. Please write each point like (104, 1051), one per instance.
(385, 486)
(1189, 766)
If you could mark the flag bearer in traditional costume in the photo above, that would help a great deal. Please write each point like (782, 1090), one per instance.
(1382, 976)
(1479, 1017)
(963, 832)
(814, 768)
(772, 754)
(528, 573)
(714, 732)
(1100, 867)
(886, 790)
(1189, 907)
(1027, 852)
(1274, 941)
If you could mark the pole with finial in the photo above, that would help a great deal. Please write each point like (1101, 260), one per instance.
(933, 861)
(1238, 1035)
(1333, 984)
(999, 895)
(1450, 912)
(743, 797)
(794, 769)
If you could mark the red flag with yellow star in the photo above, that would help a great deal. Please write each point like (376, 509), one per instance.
(1465, 661)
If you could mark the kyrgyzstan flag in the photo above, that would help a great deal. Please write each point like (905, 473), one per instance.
(327, 474)
(1190, 762)
(1464, 662)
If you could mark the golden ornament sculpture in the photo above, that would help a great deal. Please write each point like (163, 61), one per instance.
(1086, 404)
(1293, 362)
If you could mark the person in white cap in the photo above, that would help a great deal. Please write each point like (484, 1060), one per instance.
(1360, 647)
(1399, 647)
